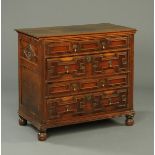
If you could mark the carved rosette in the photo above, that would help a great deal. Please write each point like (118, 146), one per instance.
(29, 53)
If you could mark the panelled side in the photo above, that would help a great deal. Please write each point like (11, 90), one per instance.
(30, 80)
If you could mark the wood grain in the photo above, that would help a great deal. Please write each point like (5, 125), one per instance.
(85, 74)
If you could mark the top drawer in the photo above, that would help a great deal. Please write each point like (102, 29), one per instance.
(54, 48)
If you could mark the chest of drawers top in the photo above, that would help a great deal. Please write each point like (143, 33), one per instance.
(45, 32)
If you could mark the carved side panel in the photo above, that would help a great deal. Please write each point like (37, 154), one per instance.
(30, 86)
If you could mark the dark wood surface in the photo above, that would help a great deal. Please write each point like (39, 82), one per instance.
(72, 79)
(73, 30)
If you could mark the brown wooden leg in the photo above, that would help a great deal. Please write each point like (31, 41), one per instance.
(42, 135)
(129, 120)
(22, 121)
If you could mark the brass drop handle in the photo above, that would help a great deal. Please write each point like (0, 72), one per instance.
(74, 86)
(102, 83)
(67, 69)
(103, 44)
(75, 47)
(110, 102)
(68, 108)
(110, 63)
(80, 104)
(75, 50)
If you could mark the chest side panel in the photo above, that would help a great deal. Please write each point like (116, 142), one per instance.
(30, 77)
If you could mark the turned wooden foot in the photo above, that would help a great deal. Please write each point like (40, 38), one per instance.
(42, 135)
(129, 120)
(22, 121)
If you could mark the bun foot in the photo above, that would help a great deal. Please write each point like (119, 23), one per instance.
(22, 121)
(129, 120)
(42, 136)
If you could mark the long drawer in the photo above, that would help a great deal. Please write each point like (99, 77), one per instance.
(57, 89)
(81, 105)
(71, 68)
(79, 45)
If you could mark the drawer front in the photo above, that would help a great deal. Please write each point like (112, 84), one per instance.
(87, 104)
(66, 68)
(71, 68)
(79, 86)
(109, 63)
(117, 42)
(86, 45)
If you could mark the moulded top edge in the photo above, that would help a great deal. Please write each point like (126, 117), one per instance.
(43, 32)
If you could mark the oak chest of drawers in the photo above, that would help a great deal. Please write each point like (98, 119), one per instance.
(75, 74)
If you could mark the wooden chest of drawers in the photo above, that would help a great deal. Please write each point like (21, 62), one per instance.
(75, 74)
